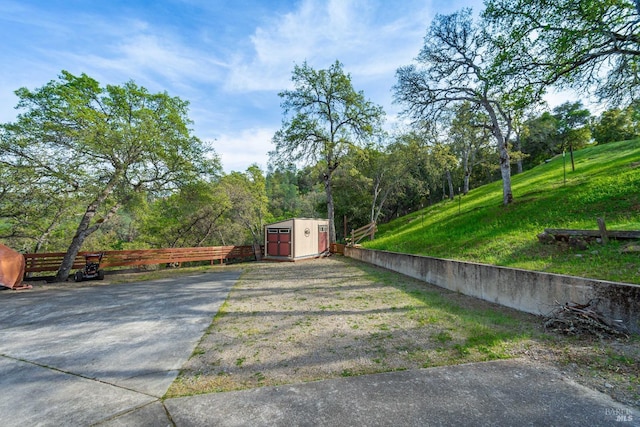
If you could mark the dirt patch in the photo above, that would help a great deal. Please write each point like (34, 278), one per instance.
(289, 323)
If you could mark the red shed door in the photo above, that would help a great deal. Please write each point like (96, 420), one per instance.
(279, 242)
(323, 238)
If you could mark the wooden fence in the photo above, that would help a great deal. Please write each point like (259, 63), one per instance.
(51, 261)
(337, 248)
(362, 232)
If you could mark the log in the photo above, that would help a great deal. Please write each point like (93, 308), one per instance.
(613, 234)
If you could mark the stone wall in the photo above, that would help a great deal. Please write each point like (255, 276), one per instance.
(528, 291)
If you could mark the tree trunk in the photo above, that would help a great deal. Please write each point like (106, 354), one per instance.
(373, 215)
(465, 183)
(466, 167)
(377, 211)
(82, 233)
(573, 165)
(372, 211)
(450, 182)
(519, 148)
(330, 207)
(74, 248)
(85, 230)
(505, 171)
(505, 161)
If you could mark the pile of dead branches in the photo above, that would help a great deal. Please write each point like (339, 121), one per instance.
(582, 319)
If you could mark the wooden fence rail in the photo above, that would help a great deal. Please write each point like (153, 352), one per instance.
(51, 261)
(362, 232)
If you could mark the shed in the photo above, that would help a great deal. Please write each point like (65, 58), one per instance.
(296, 238)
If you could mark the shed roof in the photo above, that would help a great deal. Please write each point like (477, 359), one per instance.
(296, 219)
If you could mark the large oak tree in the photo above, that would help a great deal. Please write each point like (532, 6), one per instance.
(584, 44)
(456, 66)
(101, 145)
(323, 117)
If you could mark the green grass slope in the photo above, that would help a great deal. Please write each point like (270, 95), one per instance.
(477, 227)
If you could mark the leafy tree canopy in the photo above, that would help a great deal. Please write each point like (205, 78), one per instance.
(582, 44)
(100, 145)
(324, 116)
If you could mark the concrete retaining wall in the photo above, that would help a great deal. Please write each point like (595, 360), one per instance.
(529, 291)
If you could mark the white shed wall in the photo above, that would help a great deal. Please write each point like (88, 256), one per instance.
(304, 236)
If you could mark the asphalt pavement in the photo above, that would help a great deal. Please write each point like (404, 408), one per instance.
(106, 354)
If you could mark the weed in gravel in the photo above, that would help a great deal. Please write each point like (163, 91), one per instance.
(443, 337)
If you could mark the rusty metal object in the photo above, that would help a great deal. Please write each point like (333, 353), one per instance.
(12, 265)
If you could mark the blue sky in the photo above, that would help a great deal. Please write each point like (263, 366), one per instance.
(228, 58)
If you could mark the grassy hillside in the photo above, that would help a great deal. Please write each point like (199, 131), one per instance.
(476, 227)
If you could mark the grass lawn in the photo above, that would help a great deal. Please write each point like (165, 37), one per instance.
(477, 227)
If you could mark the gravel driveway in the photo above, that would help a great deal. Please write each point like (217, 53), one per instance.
(297, 322)
(287, 323)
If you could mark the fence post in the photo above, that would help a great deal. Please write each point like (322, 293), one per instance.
(603, 231)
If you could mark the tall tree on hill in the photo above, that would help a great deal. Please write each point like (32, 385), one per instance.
(455, 65)
(583, 44)
(324, 116)
(468, 136)
(102, 145)
(573, 130)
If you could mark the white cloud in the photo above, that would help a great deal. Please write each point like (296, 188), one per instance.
(555, 97)
(149, 55)
(361, 34)
(239, 150)
(317, 31)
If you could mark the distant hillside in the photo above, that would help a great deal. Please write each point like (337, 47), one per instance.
(476, 227)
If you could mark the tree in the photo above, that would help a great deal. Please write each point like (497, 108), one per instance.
(424, 161)
(352, 195)
(539, 139)
(283, 192)
(324, 116)
(101, 145)
(455, 66)
(248, 201)
(189, 217)
(468, 136)
(386, 174)
(582, 44)
(30, 211)
(616, 125)
(370, 178)
(572, 124)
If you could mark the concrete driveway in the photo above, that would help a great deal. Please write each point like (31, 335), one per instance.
(87, 355)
